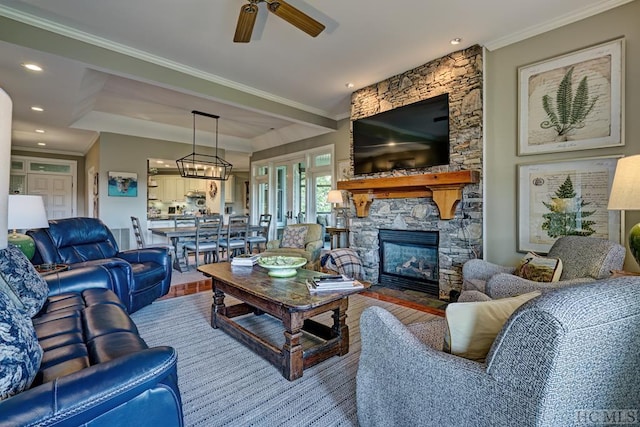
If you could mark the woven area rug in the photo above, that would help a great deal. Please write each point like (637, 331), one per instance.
(223, 383)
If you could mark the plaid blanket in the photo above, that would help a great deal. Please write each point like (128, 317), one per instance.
(343, 261)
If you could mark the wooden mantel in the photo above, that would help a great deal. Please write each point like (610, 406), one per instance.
(444, 188)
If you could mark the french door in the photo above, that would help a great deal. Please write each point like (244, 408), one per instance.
(292, 188)
(290, 197)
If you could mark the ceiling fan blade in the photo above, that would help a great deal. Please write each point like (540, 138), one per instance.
(295, 17)
(247, 18)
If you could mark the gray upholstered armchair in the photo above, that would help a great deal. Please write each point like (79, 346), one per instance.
(584, 260)
(569, 354)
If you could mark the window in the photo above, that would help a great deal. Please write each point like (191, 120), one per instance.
(300, 183)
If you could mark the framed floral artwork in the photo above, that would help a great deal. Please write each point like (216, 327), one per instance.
(565, 198)
(572, 102)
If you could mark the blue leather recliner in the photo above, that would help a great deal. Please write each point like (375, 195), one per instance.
(96, 370)
(139, 276)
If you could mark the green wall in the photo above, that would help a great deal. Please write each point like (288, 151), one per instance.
(502, 119)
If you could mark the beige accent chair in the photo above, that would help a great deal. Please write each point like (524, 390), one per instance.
(312, 246)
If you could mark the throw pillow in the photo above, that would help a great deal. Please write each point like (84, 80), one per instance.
(23, 279)
(473, 326)
(293, 237)
(538, 268)
(20, 353)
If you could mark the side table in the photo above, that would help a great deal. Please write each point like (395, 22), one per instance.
(44, 269)
(335, 237)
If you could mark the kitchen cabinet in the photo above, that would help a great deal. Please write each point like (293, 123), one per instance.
(171, 188)
(199, 185)
(155, 223)
(230, 189)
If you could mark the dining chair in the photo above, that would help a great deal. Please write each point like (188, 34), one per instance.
(141, 243)
(261, 236)
(207, 239)
(235, 242)
(184, 221)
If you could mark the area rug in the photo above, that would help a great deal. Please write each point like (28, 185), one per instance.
(223, 383)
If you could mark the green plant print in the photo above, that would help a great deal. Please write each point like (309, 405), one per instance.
(569, 112)
(566, 216)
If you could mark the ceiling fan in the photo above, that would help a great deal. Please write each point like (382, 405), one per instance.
(284, 10)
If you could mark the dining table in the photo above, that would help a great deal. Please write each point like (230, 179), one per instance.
(179, 235)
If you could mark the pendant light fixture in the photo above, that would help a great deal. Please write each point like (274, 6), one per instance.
(204, 166)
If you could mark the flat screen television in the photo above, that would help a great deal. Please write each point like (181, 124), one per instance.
(408, 137)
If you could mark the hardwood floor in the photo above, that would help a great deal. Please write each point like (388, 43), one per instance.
(204, 285)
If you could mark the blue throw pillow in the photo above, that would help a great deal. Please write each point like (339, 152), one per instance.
(20, 352)
(23, 279)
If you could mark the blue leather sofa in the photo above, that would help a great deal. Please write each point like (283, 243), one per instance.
(139, 276)
(95, 369)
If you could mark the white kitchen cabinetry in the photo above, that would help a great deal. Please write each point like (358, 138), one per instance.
(154, 238)
(230, 189)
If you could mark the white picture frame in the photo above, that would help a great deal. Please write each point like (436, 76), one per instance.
(542, 212)
(540, 86)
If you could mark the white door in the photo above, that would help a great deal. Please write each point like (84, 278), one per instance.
(56, 192)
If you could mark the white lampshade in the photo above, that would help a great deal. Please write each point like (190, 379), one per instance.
(334, 196)
(625, 191)
(26, 212)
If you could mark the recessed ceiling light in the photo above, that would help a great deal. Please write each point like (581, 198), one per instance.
(457, 40)
(42, 144)
(349, 85)
(32, 67)
(161, 162)
(38, 109)
(39, 130)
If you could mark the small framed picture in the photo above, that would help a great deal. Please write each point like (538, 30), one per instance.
(344, 170)
(123, 184)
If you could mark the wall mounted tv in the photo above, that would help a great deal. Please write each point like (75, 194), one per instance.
(408, 137)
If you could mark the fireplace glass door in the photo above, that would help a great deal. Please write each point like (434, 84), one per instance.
(409, 259)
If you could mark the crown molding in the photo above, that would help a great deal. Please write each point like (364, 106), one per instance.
(91, 39)
(558, 22)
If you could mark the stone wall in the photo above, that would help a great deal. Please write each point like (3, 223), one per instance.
(460, 75)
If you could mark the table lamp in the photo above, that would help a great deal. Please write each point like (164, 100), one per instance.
(335, 197)
(625, 195)
(25, 212)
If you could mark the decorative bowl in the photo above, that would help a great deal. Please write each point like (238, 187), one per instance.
(281, 266)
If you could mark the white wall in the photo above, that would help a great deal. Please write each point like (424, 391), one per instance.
(5, 162)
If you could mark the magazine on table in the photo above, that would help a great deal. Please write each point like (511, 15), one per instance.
(333, 283)
(245, 260)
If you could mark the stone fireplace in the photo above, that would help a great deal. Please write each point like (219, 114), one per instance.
(409, 259)
(460, 230)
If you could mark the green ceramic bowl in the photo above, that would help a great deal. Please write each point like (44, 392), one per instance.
(281, 266)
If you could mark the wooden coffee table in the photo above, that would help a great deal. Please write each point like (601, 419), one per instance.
(288, 300)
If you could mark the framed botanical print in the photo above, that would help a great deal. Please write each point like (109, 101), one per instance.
(565, 198)
(572, 102)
